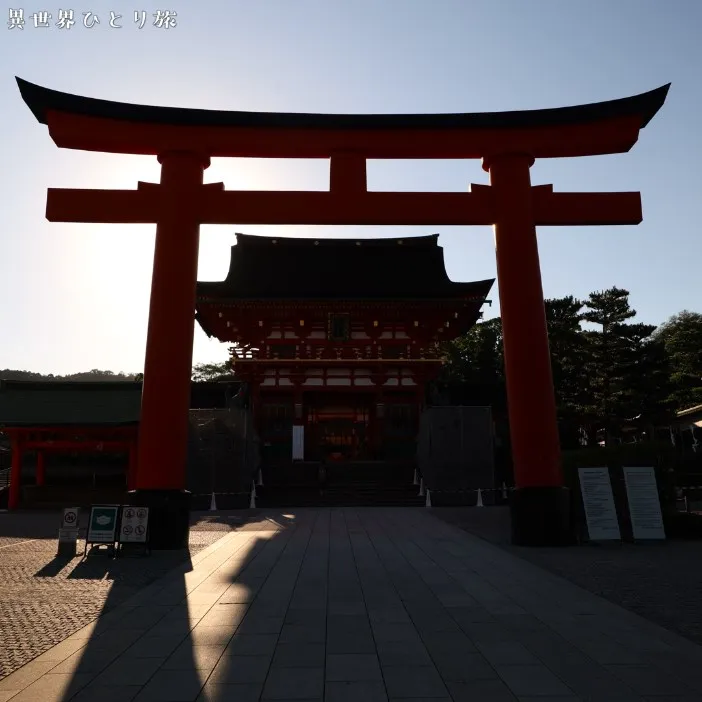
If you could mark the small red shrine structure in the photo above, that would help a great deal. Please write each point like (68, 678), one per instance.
(336, 339)
(68, 417)
(184, 141)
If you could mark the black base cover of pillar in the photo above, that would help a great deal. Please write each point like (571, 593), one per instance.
(169, 516)
(541, 516)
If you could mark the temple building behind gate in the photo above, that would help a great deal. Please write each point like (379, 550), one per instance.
(336, 340)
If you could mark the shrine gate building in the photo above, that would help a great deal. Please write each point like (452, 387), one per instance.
(337, 339)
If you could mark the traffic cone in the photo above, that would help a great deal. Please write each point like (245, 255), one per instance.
(253, 488)
(259, 482)
(421, 488)
(428, 500)
(415, 480)
(504, 491)
(252, 503)
(213, 503)
(480, 499)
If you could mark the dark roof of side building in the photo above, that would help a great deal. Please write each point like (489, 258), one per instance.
(70, 403)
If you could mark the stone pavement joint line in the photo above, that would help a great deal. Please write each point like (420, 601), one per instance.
(362, 604)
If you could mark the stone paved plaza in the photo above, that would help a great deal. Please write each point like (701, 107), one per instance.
(660, 581)
(43, 599)
(362, 604)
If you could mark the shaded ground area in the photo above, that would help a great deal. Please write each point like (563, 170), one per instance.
(661, 582)
(44, 599)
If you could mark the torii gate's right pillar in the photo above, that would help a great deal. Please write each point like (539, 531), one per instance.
(540, 504)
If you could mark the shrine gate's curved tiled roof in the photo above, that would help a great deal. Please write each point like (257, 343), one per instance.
(264, 267)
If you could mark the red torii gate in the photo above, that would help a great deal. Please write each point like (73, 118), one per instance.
(184, 140)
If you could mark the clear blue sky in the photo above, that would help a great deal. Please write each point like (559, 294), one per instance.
(75, 296)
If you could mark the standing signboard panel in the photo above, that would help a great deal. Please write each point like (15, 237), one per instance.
(68, 533)
(102, 526)
(134, 527)
(644, 503)
(598, 500)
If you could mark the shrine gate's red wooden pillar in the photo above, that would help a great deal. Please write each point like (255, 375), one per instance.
(13, 500)
(163, 443)
(536, 452)
(132, 464)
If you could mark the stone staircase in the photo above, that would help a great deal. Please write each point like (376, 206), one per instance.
(366, 484)
(350, 495)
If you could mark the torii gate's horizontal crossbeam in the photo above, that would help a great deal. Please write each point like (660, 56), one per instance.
(325, 208)
(110, 136)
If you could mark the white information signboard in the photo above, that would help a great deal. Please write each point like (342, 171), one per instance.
(70, 518)
(68, 533)
(644, 503)
(298, 443)
(134, 525)
(600, 510)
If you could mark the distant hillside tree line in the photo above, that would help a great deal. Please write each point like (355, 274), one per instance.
(94, 375)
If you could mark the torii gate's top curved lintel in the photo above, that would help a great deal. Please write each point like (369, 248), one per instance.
(101, 125)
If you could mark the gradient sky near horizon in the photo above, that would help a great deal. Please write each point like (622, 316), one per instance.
(75, 296)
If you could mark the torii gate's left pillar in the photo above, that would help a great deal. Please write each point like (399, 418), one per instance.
(163, 434)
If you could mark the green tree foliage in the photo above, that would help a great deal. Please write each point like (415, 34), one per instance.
(475, 361)
(477, 355)
(614, 376)
(608, 311)
(201, 372)
(626, 368)
(211, 371)
(682, 337)
(647, 373)
(569, 350)
(95, 375)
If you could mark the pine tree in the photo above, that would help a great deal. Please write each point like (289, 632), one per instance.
(568, 346)
(682, 337)
(648, 377)
(475, 361)
(609, 310)
(627, 369)
(211, 371)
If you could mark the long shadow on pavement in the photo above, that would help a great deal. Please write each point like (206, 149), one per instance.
(183, 636)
